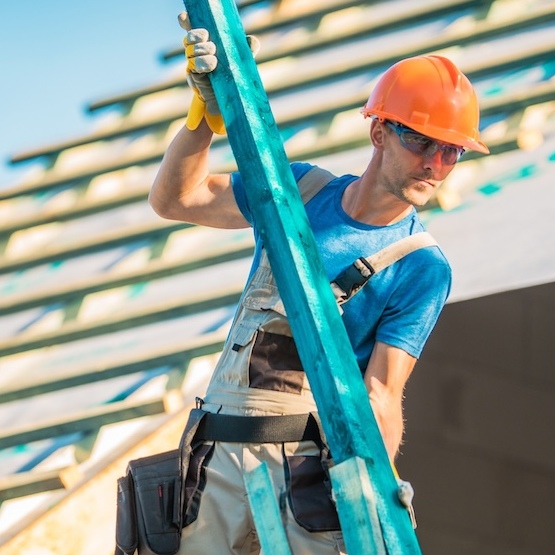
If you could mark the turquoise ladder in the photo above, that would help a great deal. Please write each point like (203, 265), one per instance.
(373, 520)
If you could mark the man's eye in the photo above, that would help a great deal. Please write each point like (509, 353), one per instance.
(417, 139)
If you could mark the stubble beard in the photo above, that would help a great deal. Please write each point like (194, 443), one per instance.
(414, 194)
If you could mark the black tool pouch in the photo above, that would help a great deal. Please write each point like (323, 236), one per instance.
(155, 482)
(150, 499)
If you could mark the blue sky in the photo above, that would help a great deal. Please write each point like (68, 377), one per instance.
(57, 56)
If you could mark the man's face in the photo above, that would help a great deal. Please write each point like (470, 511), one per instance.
(414, 166)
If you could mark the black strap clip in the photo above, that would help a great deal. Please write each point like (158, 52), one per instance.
(353, 278)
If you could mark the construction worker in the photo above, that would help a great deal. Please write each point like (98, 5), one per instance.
(424, 115)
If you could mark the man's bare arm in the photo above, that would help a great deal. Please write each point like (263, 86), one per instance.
(386, 375)
(184, 188)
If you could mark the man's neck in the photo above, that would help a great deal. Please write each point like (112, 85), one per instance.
(366, 205)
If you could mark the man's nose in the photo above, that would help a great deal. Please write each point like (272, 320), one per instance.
(434, 161)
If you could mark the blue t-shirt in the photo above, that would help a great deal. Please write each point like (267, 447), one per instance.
(399, 305)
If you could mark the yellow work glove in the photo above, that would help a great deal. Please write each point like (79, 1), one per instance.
(200, 52)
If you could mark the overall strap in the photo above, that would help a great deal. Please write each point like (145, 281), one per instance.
(351, 280)
(313, 181)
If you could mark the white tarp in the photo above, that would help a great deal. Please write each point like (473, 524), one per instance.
(502, 236)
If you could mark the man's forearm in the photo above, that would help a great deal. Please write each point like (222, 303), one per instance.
(391, 425)
(385, 378)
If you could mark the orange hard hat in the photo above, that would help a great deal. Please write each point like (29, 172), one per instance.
(432, 96)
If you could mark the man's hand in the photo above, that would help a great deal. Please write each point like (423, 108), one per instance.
(200, 52)
(201, 60)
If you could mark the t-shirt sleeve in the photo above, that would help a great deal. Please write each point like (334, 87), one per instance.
(415, 305)
(298, 168)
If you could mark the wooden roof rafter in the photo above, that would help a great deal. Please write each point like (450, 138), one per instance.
(33, 482)
(177, 307)
(137, 232)
(90, 419)
(155, 269)
(175, 354)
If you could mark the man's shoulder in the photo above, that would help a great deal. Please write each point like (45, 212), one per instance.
(429, 261)
(429, 254)
(300, 169)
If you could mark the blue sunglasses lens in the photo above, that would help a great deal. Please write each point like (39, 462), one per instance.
(424, 146)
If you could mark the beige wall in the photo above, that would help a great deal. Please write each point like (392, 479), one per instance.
(480, 442)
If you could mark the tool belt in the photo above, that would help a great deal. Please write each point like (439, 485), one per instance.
(257, 429)
(150, 495)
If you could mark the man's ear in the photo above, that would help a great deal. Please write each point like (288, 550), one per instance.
(377, 133)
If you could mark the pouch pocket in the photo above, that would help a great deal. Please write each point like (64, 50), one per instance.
(158, 490)
(243, 334)
(310, 494)
(158, 513)
(195, 480)
(126, 520)
(275, 364)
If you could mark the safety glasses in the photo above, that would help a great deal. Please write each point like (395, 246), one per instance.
(424, 146)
